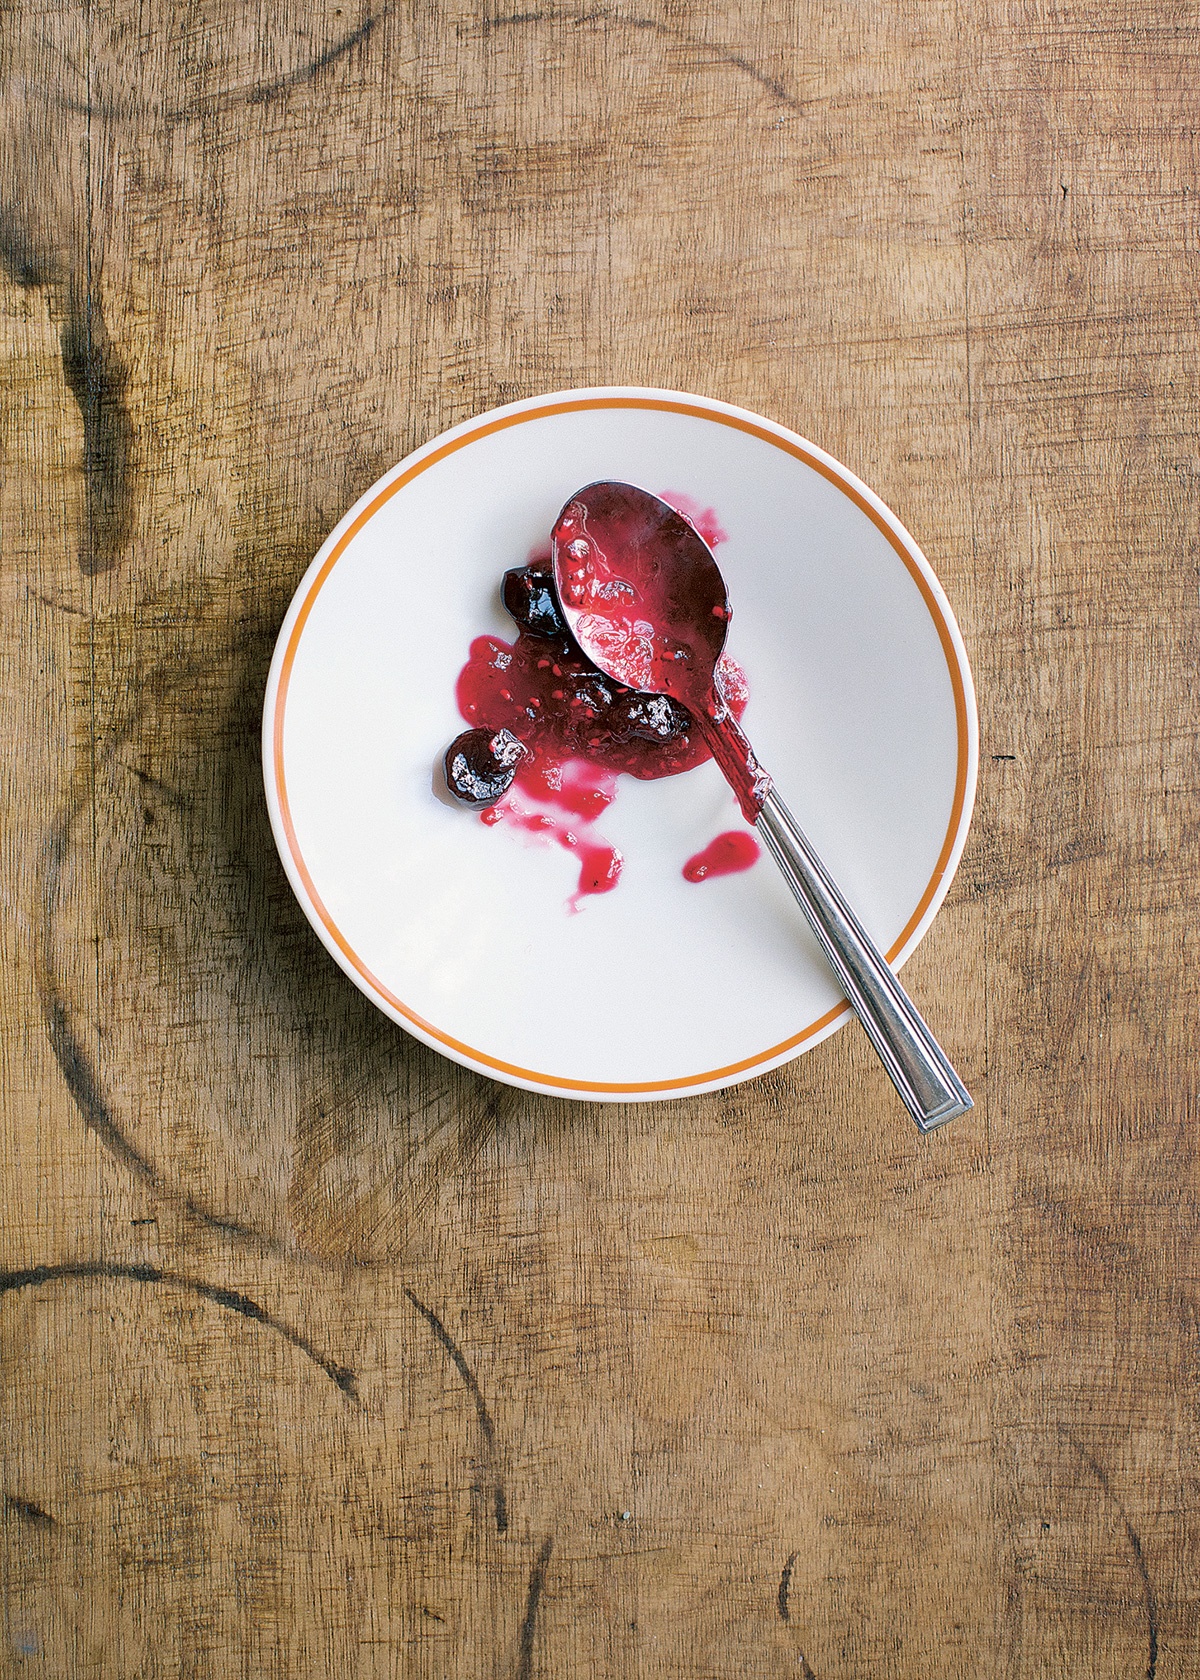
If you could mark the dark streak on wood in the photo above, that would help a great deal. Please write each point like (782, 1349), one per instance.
(72, 1059)
(486, 1427)
(27, 1511)
(84, 1087)
(96, 377)
(785, 1613)
(1135, 1543)
(231, 1299)
(537, 1580)
(230, 99)
(82, 1083)
(266, 91)
(19, 260)
(715, 51)
(785, 1585)
(55, 606)
(170, 794)
(460, 1365)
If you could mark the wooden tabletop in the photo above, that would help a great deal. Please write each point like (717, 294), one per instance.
(325, 1357)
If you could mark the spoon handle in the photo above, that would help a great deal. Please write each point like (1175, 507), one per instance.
(919, 1068)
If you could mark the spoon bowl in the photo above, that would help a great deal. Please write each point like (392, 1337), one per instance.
(641, 590)
(645, 600)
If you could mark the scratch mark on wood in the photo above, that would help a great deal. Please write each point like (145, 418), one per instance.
(27, 1511)
(55, 606)
(717, 52)
(1135, 1543)
(231, 1299)
(537, 1580)
(486, 1427)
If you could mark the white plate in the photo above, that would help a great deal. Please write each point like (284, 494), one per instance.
(861, 706)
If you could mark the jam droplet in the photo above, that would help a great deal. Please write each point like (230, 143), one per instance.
(599, 869)
(726, 855)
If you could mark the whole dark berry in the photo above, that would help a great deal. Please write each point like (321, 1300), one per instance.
(529, 595)
(481, 763)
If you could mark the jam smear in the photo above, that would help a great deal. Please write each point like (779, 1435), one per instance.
(726, 855)
(544, 724)
(579, 729)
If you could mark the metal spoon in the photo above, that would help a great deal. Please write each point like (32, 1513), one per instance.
(646, 602)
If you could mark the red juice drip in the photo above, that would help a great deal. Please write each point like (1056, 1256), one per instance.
(599, 863)
(726, 855)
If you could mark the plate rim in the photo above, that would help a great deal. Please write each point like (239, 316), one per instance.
(565, 402)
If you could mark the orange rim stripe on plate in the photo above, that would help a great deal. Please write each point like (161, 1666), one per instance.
(956, 680)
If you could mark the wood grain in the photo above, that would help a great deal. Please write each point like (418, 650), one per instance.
(325, 1357)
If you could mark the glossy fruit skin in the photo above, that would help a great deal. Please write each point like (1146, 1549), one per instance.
(480, 765)
(649, 717)
(530, 598)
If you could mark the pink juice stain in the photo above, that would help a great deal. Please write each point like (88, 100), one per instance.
(702, 519)
(599, 863)
(572, 722)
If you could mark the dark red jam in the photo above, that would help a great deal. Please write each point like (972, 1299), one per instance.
(548, 734)
(645, 599)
